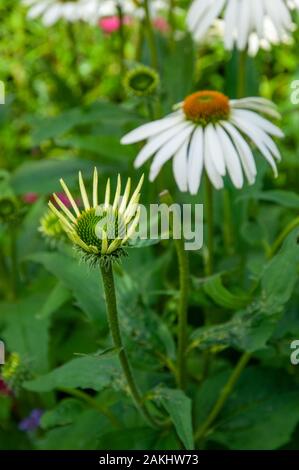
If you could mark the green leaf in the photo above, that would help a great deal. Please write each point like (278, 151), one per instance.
(65, 412)
(84, 283)
(83, 434)
(84, 372)
(260, 414)
(280, 274)
(24, 333)
(250, 329)
(222, 297)
(103, 145)
(53, 127)
(178, 405)
(43, 176)
(57, 297)
(287, 199)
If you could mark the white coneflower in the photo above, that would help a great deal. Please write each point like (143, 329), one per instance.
(207, 131)
(255, 43)
(90, 11)
(98, 230)
(52, 11)
(241, 19)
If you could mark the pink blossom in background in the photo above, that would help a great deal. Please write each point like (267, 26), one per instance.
(110, 24)
(4, 388)
(161, 24)
(64, 199)
(30, 198)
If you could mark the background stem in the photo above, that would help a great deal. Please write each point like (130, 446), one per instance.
(183, 265)
(121, 32)
(224, 394)
(282, 236)
(241, 88)
(150, 36)
(210, 225)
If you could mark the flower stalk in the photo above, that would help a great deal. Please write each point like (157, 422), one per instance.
(109, 288)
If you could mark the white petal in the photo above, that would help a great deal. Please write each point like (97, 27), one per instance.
(152, 128)
(168, 150)
(257, 137)
(244, 150)
(258, 121)
(157, 142)
(195, 160)
(214, 147)
(232, 159)
(180, 167)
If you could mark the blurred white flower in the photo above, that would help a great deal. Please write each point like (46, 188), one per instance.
(210, 132)
(90, 11)
(253, 24)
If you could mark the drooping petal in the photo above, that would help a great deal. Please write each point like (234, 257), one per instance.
(152, 128)
(180, 167)
(244, 150)
(156, 142)
(195, 160)
(168, 150)
(231, 157)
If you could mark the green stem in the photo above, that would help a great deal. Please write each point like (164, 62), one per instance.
(121, 32)
(210, 224)
(241, 87)
(109, 288)
(224, 394)
(227, 223)
(14, 262)
(140, 40)
(150, 36)
(171, 21)
(183, 264)
(93, 403)
(283, 235)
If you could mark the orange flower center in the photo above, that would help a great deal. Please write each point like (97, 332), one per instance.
(204, 107)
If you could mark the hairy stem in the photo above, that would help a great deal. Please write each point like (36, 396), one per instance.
(109, 288)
